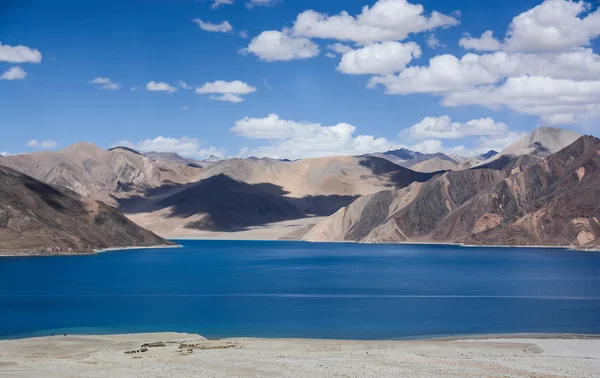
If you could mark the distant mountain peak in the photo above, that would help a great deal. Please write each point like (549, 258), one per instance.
(212, 158)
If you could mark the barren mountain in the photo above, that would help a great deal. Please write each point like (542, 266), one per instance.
(435, 164)
(339, 175)
(539, 144)
(240, 193)
(552, 202)
(37, 218)
(94, 172)
(218, 203)
(173, 158)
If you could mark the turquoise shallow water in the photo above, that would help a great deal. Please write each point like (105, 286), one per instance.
(294, 289)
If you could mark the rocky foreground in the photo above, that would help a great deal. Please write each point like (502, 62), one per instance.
(185, 355)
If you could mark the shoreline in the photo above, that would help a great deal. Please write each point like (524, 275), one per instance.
(485, 336)
(191, 355)
(94, 251)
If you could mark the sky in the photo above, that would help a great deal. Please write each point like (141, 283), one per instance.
(295, 78)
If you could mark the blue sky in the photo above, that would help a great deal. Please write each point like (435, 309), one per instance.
(297, 102)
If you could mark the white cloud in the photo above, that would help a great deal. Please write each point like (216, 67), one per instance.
(160, 87)
(44, 144)
(14, 73)
(227, 97)
(105, 83)
(290, 139)
(330, 55)
(554, 25)
(379, 58)
(432, 41)
(229, 91)
(19, 54)
(339, 48)
(444, 73)
(542, 67)
(217, 3)
(443, 128)
(386, 20)
(184, 85)
(273, 45)
(184, 146)
(185, 107)
(223, 27)
(555, 100)
(244, 34)
(220, 86)
(486, 42)
(4, 153)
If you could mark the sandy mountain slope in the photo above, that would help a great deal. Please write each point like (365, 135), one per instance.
(539, 144)
(339, 175)
(94, 172)
(435, 164)
(36, 218)
(240, 193)
(553, 202)
(218, 203)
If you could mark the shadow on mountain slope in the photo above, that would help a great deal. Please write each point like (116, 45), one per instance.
(224, 204)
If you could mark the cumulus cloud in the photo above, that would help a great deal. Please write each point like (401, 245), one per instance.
(542, 67)
(379, 58)
(554, 25)
(43, 144)
(19, 54)
(486, 42)
(14, 73)
(443, 128)
(386, 20)
(229, 91)
(291, 139)
(160, 87)
(105, 83)
(444, 73)
(223, 27)
(189, 147)
(221, 86)
(554, 99)
(273, 45)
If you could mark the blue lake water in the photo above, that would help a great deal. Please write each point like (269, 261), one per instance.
(294, 289)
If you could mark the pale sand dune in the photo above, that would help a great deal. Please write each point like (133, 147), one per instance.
(173, 228)
(104, 356)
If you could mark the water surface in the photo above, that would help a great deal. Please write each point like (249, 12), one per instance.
(294, 289)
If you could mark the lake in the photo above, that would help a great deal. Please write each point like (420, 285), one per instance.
(295, 289)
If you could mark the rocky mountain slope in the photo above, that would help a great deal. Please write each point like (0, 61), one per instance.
(539, 144)
(97, 173)
(37, 218)
(552, 202)
(240, 193)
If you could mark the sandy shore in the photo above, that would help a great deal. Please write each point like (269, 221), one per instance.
(185, 355)
(173, 228)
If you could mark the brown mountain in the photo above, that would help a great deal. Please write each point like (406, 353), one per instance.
(97, 173)
(37, 218)
(552, 202)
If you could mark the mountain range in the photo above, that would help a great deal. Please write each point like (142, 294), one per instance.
(540, 190)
